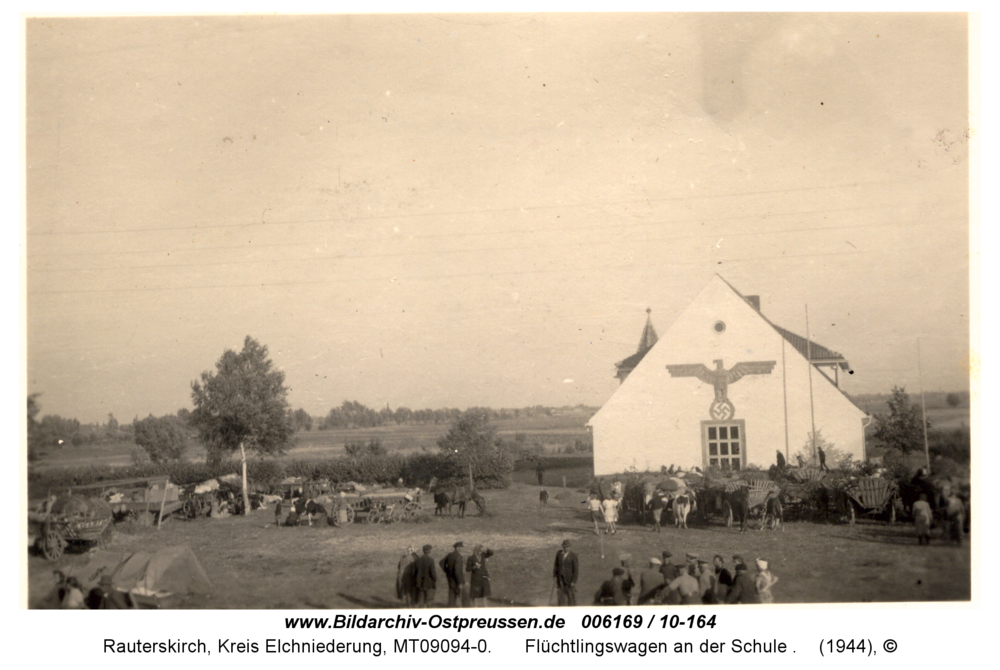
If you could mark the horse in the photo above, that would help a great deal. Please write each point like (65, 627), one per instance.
(459, 495)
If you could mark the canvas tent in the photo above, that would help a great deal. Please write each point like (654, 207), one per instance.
(170, 571)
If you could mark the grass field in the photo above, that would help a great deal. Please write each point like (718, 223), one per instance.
(255, 565)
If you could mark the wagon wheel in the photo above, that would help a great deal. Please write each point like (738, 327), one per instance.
(52, 543)
(398, 512)
(371, 517)
(410, 510)
(727, 514)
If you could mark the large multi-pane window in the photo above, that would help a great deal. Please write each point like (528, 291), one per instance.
(723, 444)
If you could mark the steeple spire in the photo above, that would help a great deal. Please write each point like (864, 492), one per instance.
(649, 336)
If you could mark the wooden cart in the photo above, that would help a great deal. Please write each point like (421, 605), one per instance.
(55, 523)
(370, 507)
(151, 498)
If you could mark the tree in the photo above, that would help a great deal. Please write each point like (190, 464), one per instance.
(164, 438)
(472, 439)
(242, 406)
(301, 420)
(35, 438)
(953, 399)
(899, 430)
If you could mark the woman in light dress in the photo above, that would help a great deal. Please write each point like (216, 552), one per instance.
(610, 506)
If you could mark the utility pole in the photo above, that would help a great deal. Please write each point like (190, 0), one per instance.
(923, 409)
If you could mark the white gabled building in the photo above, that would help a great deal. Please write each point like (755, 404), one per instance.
(723, 386)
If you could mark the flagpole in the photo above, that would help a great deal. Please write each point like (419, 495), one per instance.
(784, 397)
(812, 410)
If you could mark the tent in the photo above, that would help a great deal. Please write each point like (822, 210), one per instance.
(169, 571)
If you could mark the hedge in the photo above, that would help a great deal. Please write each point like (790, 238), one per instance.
(492, 471)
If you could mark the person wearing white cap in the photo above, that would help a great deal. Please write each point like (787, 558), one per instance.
(764, 581)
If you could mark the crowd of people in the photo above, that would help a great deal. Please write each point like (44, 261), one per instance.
(417, 576)
(691, 581)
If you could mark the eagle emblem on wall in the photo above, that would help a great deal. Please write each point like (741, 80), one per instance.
(722, 408)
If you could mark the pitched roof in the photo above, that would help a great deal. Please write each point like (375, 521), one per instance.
(817, 353)
(813, 351)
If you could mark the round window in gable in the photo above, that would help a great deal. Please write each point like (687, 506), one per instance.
(719, 327)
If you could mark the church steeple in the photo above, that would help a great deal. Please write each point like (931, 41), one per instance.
(646, 342)
(649, 337)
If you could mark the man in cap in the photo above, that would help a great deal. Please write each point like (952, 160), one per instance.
(565, 573)
(744, 591)
(692, 560)
(684, 590)
(650, 582)
(668, 569)
(453, 566)
(611, 592)
(426, 577)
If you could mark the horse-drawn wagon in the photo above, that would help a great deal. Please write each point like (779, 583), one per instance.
(375, 506)
(61, 520)
(871, 496)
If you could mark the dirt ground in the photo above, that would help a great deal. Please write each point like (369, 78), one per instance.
(255, 565)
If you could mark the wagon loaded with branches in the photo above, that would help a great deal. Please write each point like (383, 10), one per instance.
(871, 496)
(60, 521)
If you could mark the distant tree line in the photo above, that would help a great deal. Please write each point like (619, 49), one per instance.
(353, 414)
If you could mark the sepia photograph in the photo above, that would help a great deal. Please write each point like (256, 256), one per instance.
(499, 310)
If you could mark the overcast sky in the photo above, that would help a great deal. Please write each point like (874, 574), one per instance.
(455, 210)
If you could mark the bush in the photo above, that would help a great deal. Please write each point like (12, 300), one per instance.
(360, 448)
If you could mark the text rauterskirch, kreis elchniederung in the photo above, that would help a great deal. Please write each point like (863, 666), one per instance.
(268, 646)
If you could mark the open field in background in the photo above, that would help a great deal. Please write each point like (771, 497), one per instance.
(254, 565)
(552, 432)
